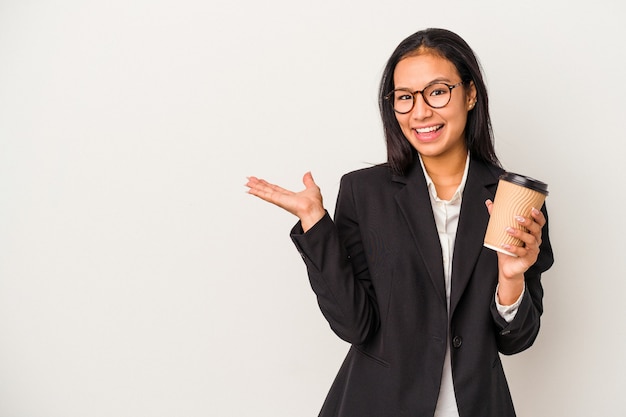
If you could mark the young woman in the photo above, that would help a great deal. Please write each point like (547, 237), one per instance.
(401, 272)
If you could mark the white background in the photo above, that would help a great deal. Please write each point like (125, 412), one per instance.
(137, 278)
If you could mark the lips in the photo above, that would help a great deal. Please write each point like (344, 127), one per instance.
(428, 129)
(428, 133)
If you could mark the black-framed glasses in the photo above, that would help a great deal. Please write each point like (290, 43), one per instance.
(436, 95)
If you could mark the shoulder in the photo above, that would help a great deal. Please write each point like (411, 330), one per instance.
(367, 183)
(495, 170)
(488, 172)
(375, 174)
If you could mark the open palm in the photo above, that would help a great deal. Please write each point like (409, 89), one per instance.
(307, 204)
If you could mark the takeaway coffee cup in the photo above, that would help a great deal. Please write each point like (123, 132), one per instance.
(516, 196)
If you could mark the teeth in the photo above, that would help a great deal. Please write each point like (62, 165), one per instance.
(427, 129)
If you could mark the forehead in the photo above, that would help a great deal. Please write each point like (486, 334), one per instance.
(416, 71)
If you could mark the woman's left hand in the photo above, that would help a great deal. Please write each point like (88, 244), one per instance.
(511, 268)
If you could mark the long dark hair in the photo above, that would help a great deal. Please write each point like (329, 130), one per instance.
(478, 132)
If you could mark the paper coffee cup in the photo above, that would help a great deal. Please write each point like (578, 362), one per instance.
(516, 196)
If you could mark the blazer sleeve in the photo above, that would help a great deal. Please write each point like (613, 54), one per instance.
(522, 331)
(333, 254)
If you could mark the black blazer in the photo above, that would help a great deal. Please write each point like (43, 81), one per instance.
(377, 272)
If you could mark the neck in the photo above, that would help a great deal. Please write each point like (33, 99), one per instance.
(444, 166)
(446, 172)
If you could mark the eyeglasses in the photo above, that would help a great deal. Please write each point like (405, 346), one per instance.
(436, 95)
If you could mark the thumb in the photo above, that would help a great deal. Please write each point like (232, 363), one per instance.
(489, 205)
(308, 180)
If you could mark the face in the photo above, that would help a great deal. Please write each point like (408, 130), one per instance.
(433, 132)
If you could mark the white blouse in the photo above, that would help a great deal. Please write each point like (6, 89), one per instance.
(447, 219)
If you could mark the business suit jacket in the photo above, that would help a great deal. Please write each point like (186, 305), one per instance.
(377, 272)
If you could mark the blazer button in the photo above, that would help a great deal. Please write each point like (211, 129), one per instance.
(457, 341)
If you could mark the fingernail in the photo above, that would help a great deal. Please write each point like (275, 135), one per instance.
(506, 246)
(510, 230)
(535, 211)
(520, 219)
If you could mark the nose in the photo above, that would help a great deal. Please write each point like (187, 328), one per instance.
(421, 110)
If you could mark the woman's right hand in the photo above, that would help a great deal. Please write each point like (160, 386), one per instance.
(307, 204)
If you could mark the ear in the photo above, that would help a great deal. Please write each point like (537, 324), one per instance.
(470, 96)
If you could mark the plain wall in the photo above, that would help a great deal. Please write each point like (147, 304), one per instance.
(137, 278)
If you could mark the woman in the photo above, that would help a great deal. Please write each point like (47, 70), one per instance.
(401, 272)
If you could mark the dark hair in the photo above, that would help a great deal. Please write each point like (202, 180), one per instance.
(478, 132)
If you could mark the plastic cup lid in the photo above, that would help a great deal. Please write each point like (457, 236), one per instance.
(526, 182)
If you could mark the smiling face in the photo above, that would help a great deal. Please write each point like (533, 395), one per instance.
(434, 133)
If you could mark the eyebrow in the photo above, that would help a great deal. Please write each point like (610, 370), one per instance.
(434, 81)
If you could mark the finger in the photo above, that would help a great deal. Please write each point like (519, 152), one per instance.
(251, 180)
(519, 251)
(489, 205)
(269, 187)
(263, 186)
(538, 216)
(531, 226)
(263, 193)
(269, 192)
(273, 194)
(257, 183)
(531, 241)
(308, 181)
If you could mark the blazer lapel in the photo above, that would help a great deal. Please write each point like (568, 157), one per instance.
(480, 186)
(415, 206)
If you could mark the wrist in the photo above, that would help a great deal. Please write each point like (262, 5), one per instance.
(309, 219)
(509, 289)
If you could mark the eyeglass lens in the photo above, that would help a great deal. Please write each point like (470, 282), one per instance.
(435, 95)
